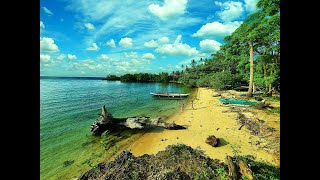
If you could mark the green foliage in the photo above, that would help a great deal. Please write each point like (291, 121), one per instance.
(260, 170)
(222, 173)
(203, 81)
(220, 80)
(135, 175)
(275, 110)
(112, 77)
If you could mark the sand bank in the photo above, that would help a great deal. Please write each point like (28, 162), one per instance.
(206, 119)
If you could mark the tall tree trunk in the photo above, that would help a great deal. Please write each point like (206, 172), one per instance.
(251, 71)
(271, 74)
(265, 75)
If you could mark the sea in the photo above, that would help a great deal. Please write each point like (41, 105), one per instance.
(69, 105)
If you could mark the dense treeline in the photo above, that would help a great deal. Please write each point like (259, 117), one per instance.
(147, 77)
(250, 56)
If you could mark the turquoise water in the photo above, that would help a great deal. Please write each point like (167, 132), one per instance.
(68, 106)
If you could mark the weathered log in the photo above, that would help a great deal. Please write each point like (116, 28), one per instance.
(232, 168)
(213, 141)
(263, 105)
(107, 122)
(245, 170)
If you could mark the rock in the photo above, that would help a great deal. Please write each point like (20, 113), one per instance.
(213, 141)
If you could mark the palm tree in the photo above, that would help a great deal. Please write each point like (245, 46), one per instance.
(193, 63)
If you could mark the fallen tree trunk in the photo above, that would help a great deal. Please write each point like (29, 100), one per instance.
(245, 170)
(108, 122)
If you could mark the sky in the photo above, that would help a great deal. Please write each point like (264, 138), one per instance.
(95, 38)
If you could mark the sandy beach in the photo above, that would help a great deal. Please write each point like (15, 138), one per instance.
(207, 119)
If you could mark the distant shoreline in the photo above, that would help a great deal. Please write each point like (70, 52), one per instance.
(69, 77)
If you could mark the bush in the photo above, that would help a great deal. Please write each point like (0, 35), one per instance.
(220, 80)
(204, 81)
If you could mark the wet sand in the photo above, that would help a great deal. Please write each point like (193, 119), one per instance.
(206, 119)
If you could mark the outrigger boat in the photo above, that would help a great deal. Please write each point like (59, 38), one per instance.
(169, 94)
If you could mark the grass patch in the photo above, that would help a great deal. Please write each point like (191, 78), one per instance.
(275, 110)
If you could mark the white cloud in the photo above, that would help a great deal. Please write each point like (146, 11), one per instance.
(148, 56)
(111, 43)
(89, 26)
(131, 55)
(209, 46)
(72, 57)
(125, 42)
(176, 49)
(45, 58)
(151, 44)
(46, 10)
(170, 8)
(163, 39)
(42, 25)
(93, 47)
(142, 61)
(48, 45)
(231, 10)
(217, 29)
(61, 57)
(103, 57)
(250, 5)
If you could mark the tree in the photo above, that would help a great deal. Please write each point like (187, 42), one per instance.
(193, 63)
(256, 36)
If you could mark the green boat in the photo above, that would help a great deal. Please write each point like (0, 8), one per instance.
(237, 101)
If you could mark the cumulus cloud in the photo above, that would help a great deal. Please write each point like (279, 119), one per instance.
(42, 25)
(251, 5)
(89, 26)
(163, 39)
(231, 10)
(47, 45)
(176, 49)
(46, 10)
(131, 55)
(216, 29)
(45, 58)
(93, 47)
(148, 56)
(151, 44)
(103, 57)
(126, 42)
(170, 8)
(209, 46)
(72, 57)
(111, 43)
(61, 57)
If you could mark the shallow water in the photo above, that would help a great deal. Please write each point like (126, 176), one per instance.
(68, 106)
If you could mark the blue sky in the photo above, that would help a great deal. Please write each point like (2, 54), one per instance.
(100, 37)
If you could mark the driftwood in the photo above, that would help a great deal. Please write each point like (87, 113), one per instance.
(245, 170)
(213, 141)
(250, 124)
(108, 122)
(263, 105)
(232, 168)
